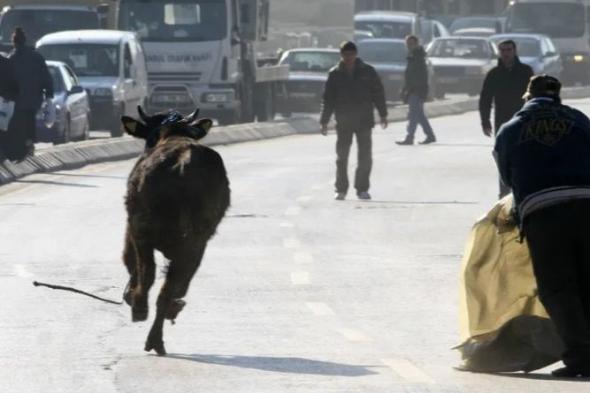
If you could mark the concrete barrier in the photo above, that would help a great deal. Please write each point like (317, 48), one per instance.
(79, 154)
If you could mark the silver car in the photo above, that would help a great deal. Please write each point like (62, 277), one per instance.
(536, 50)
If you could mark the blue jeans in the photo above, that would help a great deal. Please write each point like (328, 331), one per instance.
(416, 116)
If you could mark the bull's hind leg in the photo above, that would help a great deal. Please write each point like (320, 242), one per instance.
(180, 272)
(130, 261)
(146, 273)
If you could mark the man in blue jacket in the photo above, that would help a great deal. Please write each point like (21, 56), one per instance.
(543, 154)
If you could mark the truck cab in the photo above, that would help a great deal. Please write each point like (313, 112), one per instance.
(202, 53)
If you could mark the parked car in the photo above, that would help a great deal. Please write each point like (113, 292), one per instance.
(461, 63)
(72, 107)
(536, 50)
(477, 22)
(389, 57)
(111, 66)
(388, 24)
(308, 73)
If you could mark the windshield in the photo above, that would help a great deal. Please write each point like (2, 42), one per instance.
(382, 52)
(85, 59)
(557, 20)
(465, 49)
(385, 29)
(37, 23)
(166, 20)
(469, 23)
(526, 47)
(311, 61)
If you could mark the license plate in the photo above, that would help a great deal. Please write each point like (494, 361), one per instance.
(302, 95)
(448, 80)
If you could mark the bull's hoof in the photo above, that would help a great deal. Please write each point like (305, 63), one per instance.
(128, 295)
(139, 314)
(174, 309)
(156, 345)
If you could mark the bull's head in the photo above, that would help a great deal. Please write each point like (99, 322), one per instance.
(164, 125)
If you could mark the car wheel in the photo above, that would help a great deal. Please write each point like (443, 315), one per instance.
(116, 128)
(86, 133)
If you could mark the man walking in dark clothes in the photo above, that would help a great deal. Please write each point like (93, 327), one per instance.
(543, 153)
(415, 92)
(503, 87)
(34, 84)
(352, 92)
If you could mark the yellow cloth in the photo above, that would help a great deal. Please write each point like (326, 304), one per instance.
(497, 281)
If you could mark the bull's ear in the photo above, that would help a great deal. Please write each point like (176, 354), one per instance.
(134, 127)
(201, 127)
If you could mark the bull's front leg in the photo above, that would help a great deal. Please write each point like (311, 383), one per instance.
(130, 261)
(146, 274)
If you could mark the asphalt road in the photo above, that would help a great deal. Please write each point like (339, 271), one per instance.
(297, 293)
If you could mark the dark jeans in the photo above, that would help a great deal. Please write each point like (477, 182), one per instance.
(416, 116)
(558, 239)
(365, 159)
(21, 127)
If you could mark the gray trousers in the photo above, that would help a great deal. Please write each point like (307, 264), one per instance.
(416, 116)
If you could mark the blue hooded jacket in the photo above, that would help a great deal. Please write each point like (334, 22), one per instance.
(543, 154)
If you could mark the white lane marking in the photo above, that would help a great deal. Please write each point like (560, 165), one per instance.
(300, 278)
(21, 271)
(291, 242)
(320, 309)
(287, 224)
(408, 371)
(293, 211)
(302, 257)
(304, 199)
(354, 335)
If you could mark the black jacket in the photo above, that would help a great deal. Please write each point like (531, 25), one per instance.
(352, 97)
(504, 88)
(546, 145)
(32, 77)
(416, 76)
(8, 86)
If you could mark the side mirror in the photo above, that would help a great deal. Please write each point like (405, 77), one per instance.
(549, 54)
(76, 90)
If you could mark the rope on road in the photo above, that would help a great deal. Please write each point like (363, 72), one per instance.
(70, 289)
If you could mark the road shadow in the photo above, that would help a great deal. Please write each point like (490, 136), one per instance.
(292, 365)
(56, 183)
(540, 377)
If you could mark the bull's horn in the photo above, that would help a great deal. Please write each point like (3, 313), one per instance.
(142, 114)
(193, 116)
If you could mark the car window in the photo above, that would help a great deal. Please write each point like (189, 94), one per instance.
(382, 52)
(311, 61)
(85, 59)
(386, 29)
(56, 77)
(464, 48)
(70, 77)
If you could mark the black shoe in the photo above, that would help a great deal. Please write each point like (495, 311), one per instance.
(364, 195)
(567, 372)
(340, 196)
(428, 140)
(406, 142)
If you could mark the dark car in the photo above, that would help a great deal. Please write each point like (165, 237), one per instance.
(389, 58)
(308, 72)
(461, 63)
(72, 109)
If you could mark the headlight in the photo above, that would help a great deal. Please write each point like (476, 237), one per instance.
(103, 92)
(217, 97)
(578, 58)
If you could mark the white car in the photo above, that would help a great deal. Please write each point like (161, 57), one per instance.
(110, 65)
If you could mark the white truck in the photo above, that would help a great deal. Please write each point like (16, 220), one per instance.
(567, 22)
(202, 53)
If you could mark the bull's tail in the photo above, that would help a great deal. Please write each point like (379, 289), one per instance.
(70, 289)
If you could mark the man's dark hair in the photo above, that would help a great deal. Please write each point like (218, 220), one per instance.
(348, 46)
(19, 38)
(412, 37)
(507, 42)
